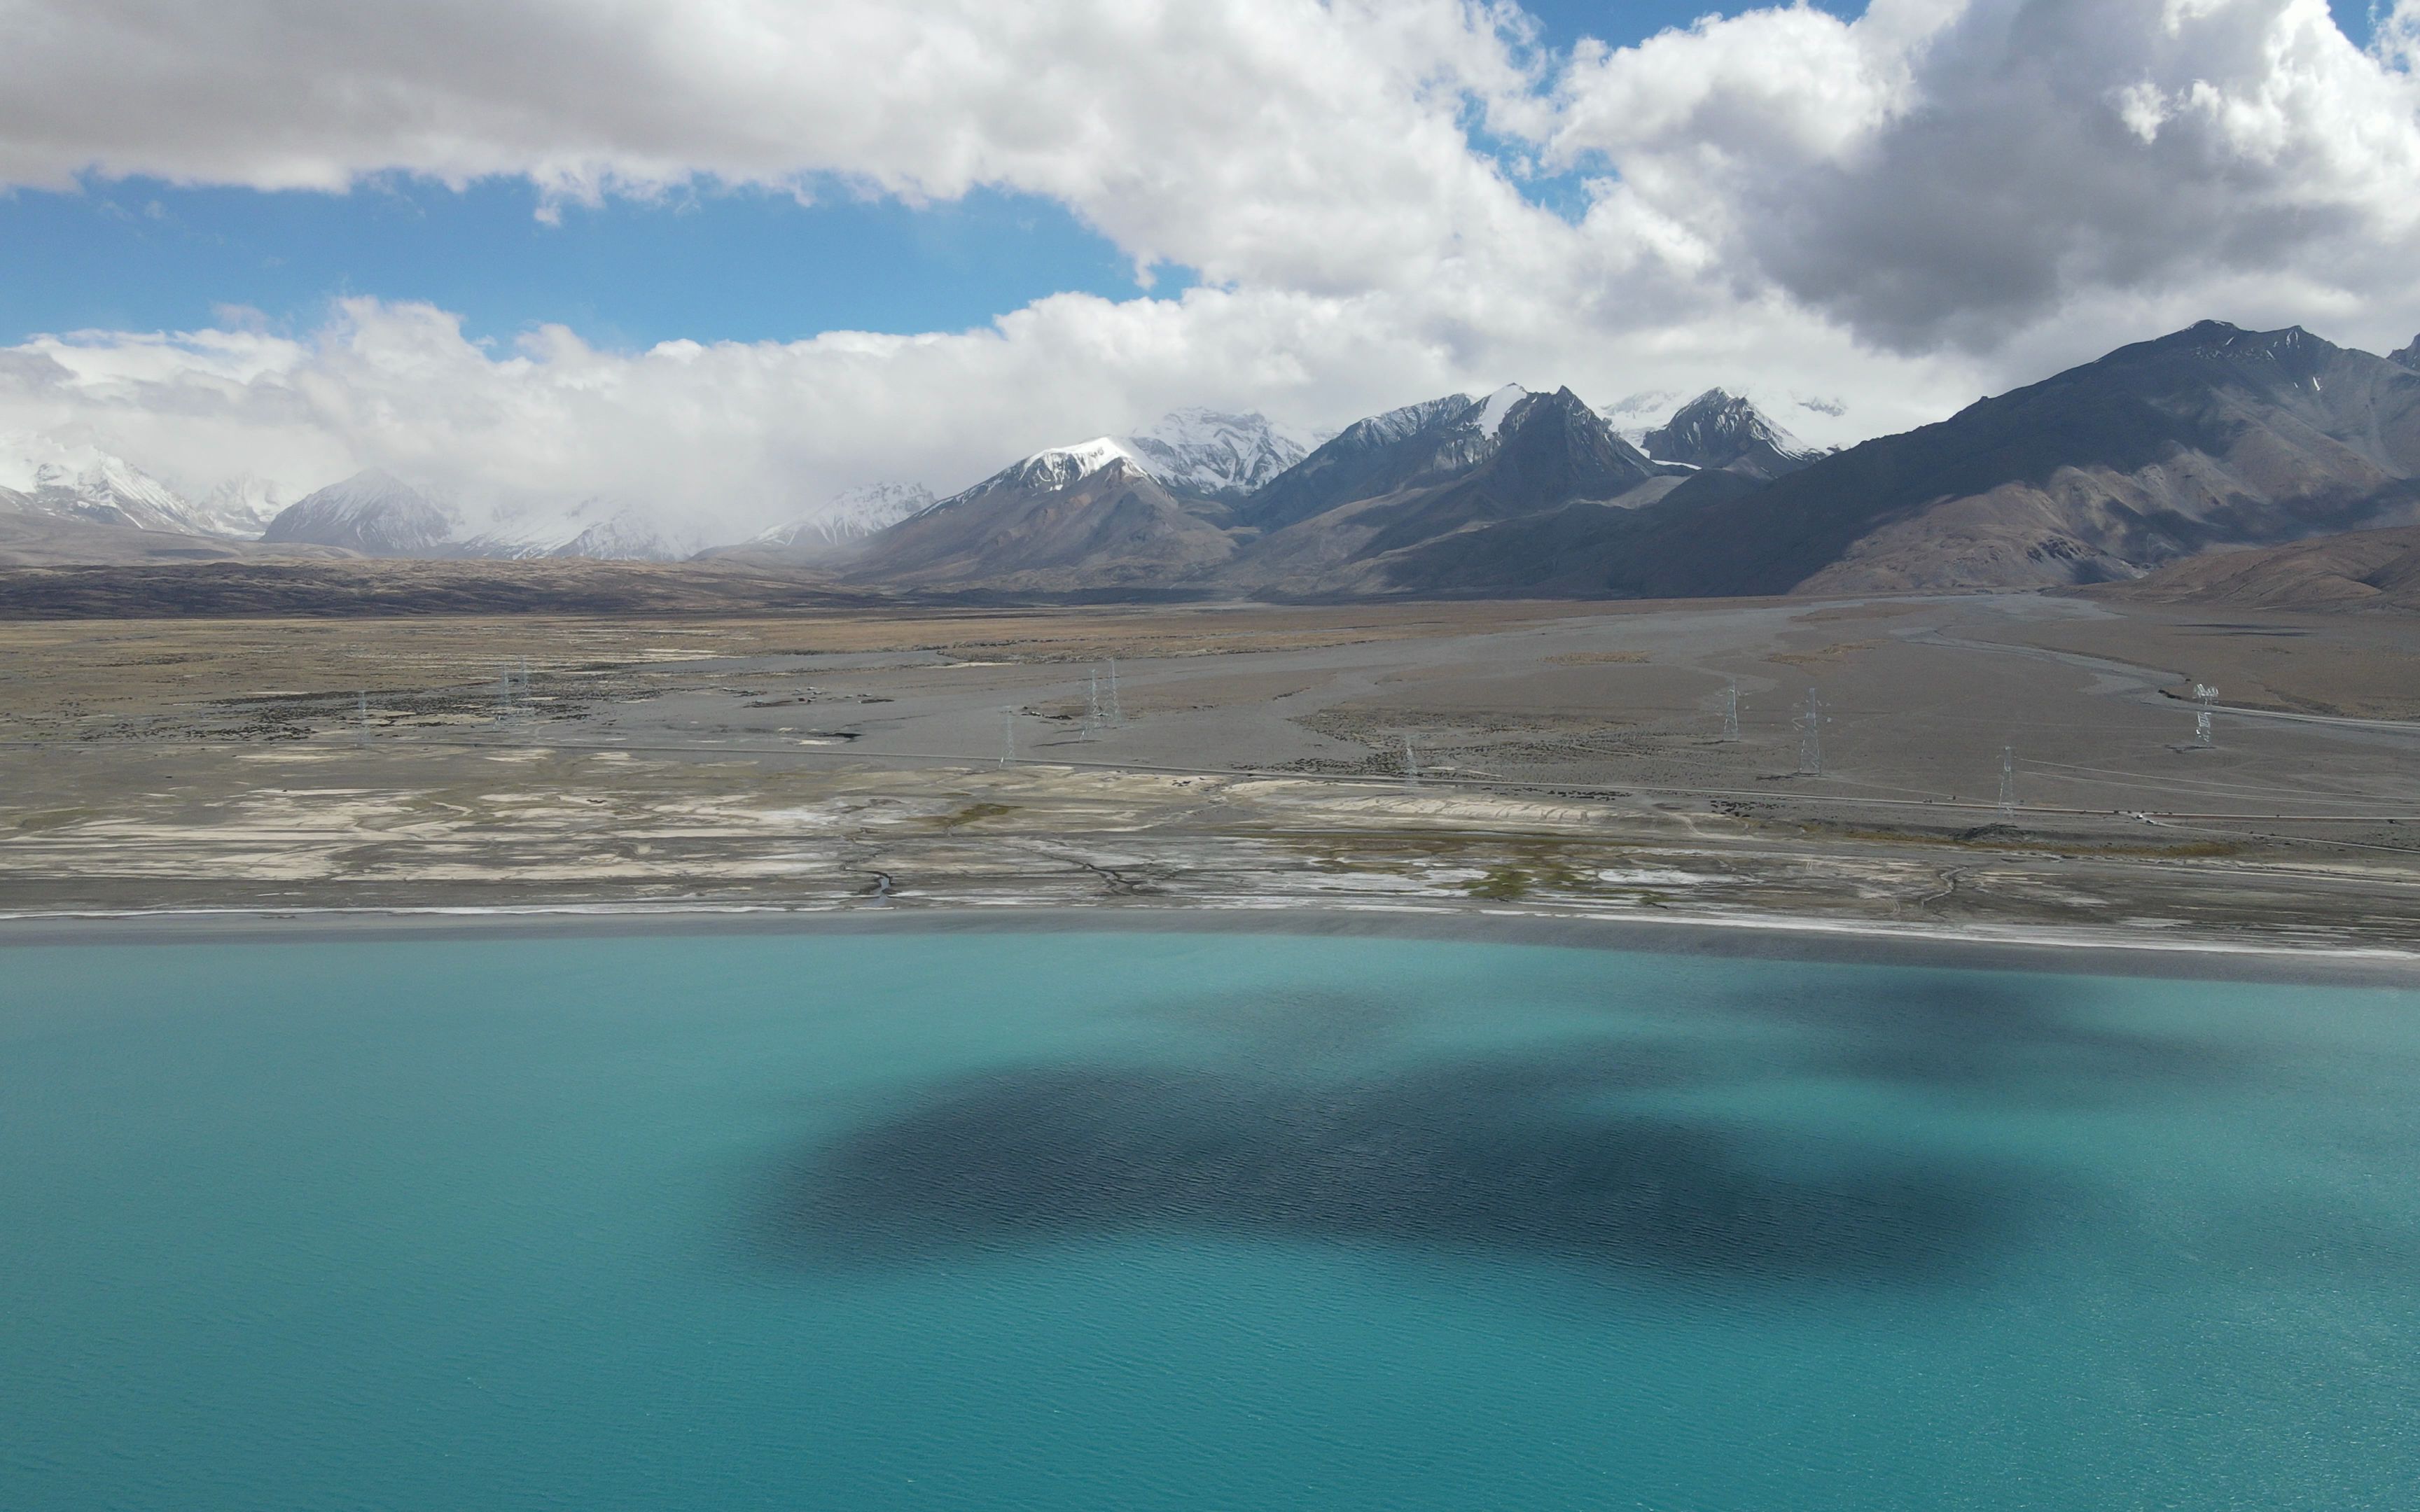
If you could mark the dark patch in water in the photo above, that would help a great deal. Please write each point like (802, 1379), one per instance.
(1306, 1127)
(1503, 1157)
(1991, 1035)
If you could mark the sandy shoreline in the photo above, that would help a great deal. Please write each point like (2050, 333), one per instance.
(2066, 951)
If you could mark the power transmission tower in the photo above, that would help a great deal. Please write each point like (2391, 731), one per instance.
(1117, 711)
(2204, 693)
(364, 725)
(1810, 738)
(2008, 782)
(1411, 764)
(1008, 737)
(1730, 709)
(1092, 707)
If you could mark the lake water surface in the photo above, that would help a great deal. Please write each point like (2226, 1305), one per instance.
(1192, 1221)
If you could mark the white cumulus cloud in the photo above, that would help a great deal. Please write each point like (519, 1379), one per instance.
(1882, 216)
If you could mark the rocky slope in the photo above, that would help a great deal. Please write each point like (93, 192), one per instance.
(2358, 570)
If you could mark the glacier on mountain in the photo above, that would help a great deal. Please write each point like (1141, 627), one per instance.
(1493, 407)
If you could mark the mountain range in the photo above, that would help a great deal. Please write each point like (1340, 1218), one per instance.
(2210, 438)
(2213, 438)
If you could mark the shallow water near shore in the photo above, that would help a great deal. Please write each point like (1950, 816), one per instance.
(1132, 1220)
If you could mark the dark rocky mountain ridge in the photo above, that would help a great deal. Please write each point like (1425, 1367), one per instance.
(1070, 518)
(1545, 450)
(1722, 430)
(2210, 437)
(1371, 458)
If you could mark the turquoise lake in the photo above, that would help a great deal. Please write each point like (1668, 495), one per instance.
(1192, 1221)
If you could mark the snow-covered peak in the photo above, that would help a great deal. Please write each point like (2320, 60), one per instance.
(1718, 430)
(1398, 424)
(371, 511)
(242, 506)
(626, 535)
(851, 515)
(1061, 466)
(87, 483)
(1215, 454)
(1086, 456)
(2409, 356)
(1491, 411)
(365, 493)
(596, 529)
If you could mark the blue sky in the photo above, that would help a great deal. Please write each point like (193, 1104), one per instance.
(139, 255)
(142, 254)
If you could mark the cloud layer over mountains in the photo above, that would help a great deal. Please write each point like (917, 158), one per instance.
(1886, 216)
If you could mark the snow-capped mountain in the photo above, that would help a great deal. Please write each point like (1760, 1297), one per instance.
(1723, 430)
(625, 535)
(1402, 448)
(1074, 516)
(1633, 415)
(373, 513)
(1353, 518)
(595, 530)
(1211, 454)
(849, 517)
(1056, 467)
(240, 507)
(100, 489)
(112, 493)
(2409, 356)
